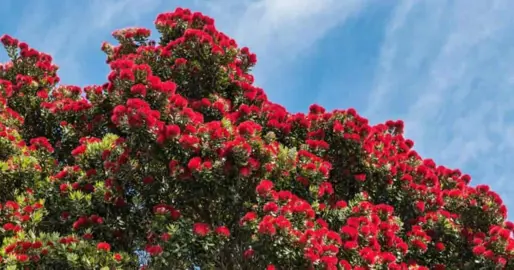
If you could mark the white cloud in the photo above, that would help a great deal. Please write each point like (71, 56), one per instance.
(277, 30)
(446, 69)
(280, 31)
(67, 31)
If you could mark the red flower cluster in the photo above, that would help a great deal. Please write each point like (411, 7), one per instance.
(136, 113)
(180, 155)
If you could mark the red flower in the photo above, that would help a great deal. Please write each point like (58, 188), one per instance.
(420, 205)
(13, 206)
(117, 257)
(165, 237)
(103, 246)
(345, 264)
(65, 215)
(360, 177)
(270, 207)
(250, 216)
(22, 257)
(81, 149)
(172, 131)
(440, 246)
(223, 230)
(180, 61)
(419, 244)
(248, 253)
(8, 40)
(8, 226)
(264, 187)
(207, 165)
(341, 204)
(478, 250)
(138, 89)
(351, 245)
(173, 164)
(148, 180)
(154, 250)
(244, 171)
(325, 189)
(201, 229)
(37, 245)
(194, 164)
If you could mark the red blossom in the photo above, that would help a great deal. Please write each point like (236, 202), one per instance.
(201, 229)
(194, 164)
(360, 177)
(264, 187)
(223, 230)
(103, 246)
(118, 257)
(154, 250)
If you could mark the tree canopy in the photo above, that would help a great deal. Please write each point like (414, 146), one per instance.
(179, 156)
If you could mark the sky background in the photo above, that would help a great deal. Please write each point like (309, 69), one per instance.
(444, 67)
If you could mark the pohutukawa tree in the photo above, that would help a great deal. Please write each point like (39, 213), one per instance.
(180, 157)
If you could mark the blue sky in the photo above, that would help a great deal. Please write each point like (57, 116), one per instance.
(444, 67)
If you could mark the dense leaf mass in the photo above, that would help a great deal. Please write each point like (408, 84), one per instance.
(179, 156)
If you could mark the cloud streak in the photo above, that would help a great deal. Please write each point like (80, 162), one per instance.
(68, 30)
(281, 31)
(445, 68)
(278, 31)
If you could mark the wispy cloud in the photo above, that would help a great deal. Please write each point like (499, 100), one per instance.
(278, 31)
(68, 30)
(446, 69)
(281, 31)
